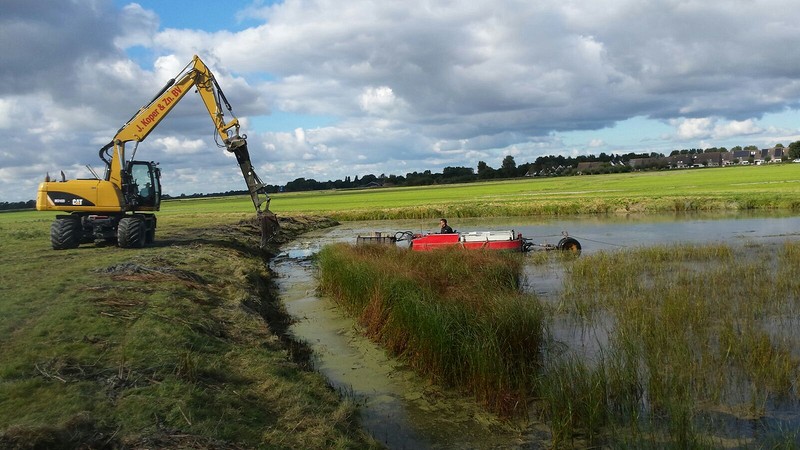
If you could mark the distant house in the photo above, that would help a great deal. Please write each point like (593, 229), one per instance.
(681, 161)
(584, 167)
(712, 159)
(738, 157)
(647, 163)
(775, 154)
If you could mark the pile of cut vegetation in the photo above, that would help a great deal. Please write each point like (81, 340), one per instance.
(457, 317)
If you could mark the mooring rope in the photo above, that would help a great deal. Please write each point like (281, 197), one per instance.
(598, 242)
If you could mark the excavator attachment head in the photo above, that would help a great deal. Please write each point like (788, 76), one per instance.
(268, 222)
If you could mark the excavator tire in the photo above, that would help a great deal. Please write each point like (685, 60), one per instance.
(131, 232)
(150, 229)
(569, 245)
(65, 232)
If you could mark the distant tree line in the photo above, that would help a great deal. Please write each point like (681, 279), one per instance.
(11, 206)
(543, 166)
(551, 165)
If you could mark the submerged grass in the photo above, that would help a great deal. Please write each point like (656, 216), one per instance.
(457, 317)
(694, 330)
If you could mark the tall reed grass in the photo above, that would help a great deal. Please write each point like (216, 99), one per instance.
(695, 333)
(694, 330)
(457, 317)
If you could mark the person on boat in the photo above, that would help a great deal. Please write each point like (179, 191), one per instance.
(445, 228)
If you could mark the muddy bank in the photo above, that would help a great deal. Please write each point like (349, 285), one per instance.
(267, 303)
(176, 345)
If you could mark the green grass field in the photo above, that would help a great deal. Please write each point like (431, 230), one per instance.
(731, 188)
(178, 345)
(172, 345)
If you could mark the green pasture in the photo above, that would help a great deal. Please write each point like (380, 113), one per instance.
(176, 345)
(170, 345)
(731, 188)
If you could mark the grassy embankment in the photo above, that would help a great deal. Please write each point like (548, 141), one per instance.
(700, 338)
(732, 188)
(178, 345)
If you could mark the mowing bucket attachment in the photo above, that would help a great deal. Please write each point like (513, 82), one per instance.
(268, 222)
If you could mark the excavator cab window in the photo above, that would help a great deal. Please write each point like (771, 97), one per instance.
(145, 176)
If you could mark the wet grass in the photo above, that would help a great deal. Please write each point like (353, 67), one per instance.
(456, 317)
(694, 331)
(161, 347)
(702, 339)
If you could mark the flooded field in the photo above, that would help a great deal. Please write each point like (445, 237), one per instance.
(403, 411)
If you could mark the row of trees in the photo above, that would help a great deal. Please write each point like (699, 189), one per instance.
(552, 165)
(11, 206)
(543, 166)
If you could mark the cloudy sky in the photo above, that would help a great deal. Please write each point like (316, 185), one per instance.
(327, 88)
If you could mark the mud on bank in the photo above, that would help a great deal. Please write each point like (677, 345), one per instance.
(179, 345)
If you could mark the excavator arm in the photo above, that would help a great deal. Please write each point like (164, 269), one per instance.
(196, 74)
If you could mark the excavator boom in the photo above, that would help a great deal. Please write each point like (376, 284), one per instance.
(196, 74)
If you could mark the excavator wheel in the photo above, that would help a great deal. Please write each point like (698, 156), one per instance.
(150, 229)
(131, 232)
(569, 245)
(65, 232)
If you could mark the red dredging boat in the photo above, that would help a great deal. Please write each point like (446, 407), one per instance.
(473, 240)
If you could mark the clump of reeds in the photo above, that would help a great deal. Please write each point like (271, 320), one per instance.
(694, 330)
(456, 316)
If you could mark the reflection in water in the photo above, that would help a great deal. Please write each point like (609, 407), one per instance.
(403, 411)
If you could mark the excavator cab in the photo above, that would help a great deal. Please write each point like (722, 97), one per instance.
(144, 185)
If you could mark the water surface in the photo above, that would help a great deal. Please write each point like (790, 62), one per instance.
(404, 411)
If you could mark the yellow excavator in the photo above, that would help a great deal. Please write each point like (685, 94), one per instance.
(120, 205)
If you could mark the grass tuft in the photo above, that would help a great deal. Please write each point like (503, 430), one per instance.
(457, 317)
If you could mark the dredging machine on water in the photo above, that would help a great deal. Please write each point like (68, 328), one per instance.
(506, 240)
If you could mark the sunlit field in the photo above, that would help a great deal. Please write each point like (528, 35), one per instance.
(731, 188)
(174, 341)
(167, 346)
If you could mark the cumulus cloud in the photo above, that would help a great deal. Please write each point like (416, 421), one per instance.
(176, 146)
(402, 86)
(378, 100)
(713, 128)
(594, 143)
